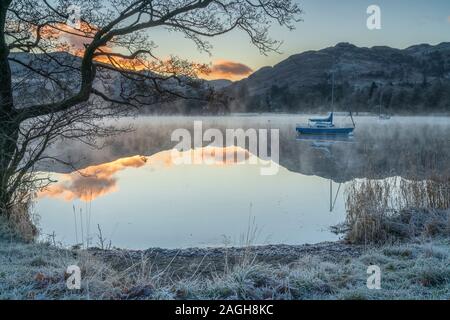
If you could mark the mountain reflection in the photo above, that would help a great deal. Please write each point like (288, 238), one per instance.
(98, 180)
(410, 147)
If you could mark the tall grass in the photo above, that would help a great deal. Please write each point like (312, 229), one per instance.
(383, 210)
(21, 223)
(432, 193)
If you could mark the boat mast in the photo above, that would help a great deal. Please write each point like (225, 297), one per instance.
(381, 99)
(332, 92)
(353, 121)
(331, 195)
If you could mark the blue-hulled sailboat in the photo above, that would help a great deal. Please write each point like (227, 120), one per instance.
(325, 126)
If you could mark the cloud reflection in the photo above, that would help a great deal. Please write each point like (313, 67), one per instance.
(91, 182)
(99, 180)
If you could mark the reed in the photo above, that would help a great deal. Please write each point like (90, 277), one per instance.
(380, 211)
(21, 223)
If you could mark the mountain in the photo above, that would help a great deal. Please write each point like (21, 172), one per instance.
(413, 79)
(219, 84)
(41, 78)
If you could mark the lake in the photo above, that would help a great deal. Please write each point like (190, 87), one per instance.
(133, 192)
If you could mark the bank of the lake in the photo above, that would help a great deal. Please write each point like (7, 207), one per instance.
(333, 270)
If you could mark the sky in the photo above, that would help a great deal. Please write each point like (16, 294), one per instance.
(325, 23)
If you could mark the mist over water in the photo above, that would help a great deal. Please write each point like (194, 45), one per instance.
(140, 199)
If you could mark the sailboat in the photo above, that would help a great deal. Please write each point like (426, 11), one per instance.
(325, 126)
(382, 116)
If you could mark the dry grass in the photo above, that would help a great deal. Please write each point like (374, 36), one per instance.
(379, 211)
(20, 224)
(419, 271)
(432, 193)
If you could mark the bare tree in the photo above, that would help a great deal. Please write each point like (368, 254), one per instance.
(55, 70)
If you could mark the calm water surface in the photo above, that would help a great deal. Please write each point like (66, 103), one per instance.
(136, 194)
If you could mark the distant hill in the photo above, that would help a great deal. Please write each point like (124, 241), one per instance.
(413, 79)
(41, 78)
(220, 83)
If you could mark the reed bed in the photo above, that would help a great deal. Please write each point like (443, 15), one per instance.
(380, 211)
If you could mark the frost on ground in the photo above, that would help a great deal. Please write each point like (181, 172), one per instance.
(419, 270)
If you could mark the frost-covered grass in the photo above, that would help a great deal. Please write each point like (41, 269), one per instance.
(409, 271)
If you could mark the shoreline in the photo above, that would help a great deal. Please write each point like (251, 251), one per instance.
(181, 260)
(418, 269)
(280, 114)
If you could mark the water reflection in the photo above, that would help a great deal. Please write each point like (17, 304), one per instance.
(147, 201)
(91, 182)
(94, 181)
(410, 147)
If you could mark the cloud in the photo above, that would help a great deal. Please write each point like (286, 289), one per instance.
(65, 38)
(225, 69)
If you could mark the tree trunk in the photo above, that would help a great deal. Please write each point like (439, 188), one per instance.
(8, 126)
(8, 142)
(6, 94)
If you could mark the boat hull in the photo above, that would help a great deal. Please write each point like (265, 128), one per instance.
(324, 131)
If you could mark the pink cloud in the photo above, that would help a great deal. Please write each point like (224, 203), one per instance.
(225, 69)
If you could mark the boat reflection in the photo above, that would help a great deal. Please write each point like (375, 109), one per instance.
(329, 138)
(324, 143)
(414, 148)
